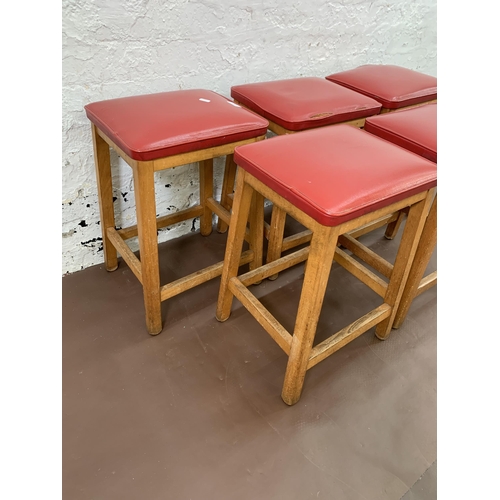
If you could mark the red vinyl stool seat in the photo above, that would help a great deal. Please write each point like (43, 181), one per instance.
(294, 105)
(156, 132)
(304, 103)
(332, 180)
(415, 130)
(394, 87)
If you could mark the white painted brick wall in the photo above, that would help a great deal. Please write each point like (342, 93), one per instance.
(116, 48)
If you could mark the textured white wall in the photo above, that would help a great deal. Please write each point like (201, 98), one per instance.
(116, 48)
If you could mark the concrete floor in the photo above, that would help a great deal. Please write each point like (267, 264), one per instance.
(196, 413)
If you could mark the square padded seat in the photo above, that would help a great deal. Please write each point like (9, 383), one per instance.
(155, 132)
(393, 86)
(414, 129)
(332, 180)
(303, 103)
(153, 126)
(335, 185)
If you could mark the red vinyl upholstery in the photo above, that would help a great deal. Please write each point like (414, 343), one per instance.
(393, 86)
(414, 129)
(335, 174)
(152, 126)
(303, 103)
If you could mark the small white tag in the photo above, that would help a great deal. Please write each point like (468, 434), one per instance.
(204, 100)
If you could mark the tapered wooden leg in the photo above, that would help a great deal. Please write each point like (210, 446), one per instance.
(319, 263)
(227, 189)
(105, 194)
(206, 191)
(148, 243)
(423, 255)
(402, 265)
(393, 227)
(278, 219)
(237, 229)
(256, 220)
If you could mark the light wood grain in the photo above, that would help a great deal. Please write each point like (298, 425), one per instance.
(236, 235)
(105, 195)
(261, 314)
(322, 249)
(198, 277)
(404, 259)
(426, 246)
(226, 192)
(127, 255)
(206, 170)
(148, 243)
(348, 334)
(165, 221)
(367, 255)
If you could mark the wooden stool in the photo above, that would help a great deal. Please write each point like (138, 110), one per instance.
(332, 180)
(296, 105)
(155, 132)
(394, 87)
(415, 130)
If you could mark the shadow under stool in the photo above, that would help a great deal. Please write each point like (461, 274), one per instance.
(332, 180)
(155, 132)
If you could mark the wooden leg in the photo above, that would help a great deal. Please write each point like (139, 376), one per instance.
(237, 228)
(227, 189)
(319, 263)
(256, 220)
(406, 253)
(148, 243)
(393, 227)
(105, 195)
(206, 191)
(423, 255)
(278, 218)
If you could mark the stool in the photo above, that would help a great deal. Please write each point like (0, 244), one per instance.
(295, 105)
(394, 87)
(332, 180)
(415, 130)
(156, 132)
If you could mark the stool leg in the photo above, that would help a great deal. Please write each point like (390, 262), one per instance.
(393, 227)
(227, 189)
(404, 258)
(237, 228)
(423, 255)
(278, 219)
(206, 191)
(319, 263)
(256, 220)
(148, 243)
(105, 195)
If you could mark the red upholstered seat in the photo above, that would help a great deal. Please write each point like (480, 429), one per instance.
(414, 129)
(335, 174)
(153, 126)
(393, 86)
(303, 103)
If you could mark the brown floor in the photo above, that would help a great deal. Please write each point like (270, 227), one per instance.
(196, 413)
